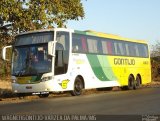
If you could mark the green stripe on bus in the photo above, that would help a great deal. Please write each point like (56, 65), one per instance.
(96, 67)
(106, 67)
(80, 32)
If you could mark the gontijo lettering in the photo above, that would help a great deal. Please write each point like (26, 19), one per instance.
(124, 61)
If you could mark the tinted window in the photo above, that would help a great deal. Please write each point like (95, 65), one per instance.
(100, 47)
(79, 43)
(107, 47)
(143, 50)
(132, 49)
(91, 44)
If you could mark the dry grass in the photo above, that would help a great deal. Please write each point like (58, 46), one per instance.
(5, 85)
(152, 84)
(5, 89)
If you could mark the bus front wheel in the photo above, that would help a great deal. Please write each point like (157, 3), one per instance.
(43, 95)
(78, 86)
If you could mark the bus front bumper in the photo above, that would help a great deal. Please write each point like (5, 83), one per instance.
(47, 86)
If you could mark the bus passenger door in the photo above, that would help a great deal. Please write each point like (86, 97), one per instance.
(61, 53)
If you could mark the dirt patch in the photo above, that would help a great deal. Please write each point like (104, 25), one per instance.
(152, 84)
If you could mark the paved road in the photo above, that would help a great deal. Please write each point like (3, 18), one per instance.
(135, 102)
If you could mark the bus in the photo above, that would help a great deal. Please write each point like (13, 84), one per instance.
(60, 59)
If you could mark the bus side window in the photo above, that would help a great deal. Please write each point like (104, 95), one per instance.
(132, 51)
(75, 48)
(84, 44)
(143, 50)
(76, 44)
(104, 47)
(109, 47)
(119, 48)
(122, 48)
(99, 46)
(116, 48)
(136, 50)
(127, 49)
(92, 45)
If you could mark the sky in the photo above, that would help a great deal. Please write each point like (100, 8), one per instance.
(136, 19)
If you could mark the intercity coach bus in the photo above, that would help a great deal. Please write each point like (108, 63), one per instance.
(60, 59)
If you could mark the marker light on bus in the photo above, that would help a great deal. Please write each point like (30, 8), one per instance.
(14, 80)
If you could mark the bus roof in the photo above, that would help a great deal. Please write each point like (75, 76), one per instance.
(88, 32)
(46, 30)
(106, 35)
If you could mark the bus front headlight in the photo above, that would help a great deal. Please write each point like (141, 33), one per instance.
(46, 78)
(14, 80)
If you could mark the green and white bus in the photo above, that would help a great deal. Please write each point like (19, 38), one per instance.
(60, 59)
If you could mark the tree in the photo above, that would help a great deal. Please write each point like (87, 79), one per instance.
(25, 15)
(155, 49)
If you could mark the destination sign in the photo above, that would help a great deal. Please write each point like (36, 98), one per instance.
(34, 38)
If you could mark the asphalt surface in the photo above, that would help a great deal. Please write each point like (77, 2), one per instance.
(133, 102)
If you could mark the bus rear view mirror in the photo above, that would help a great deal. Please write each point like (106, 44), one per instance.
(4, 52)
(51, 45)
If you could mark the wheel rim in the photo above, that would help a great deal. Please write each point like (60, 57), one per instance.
(43, 95)
(130, 83)
(137, 82)
(78, 87)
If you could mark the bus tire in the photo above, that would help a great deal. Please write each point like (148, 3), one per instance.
(43, 95)
(104, 89)
(137, 83)
(130, 83)
(78, 86)
(21, 95)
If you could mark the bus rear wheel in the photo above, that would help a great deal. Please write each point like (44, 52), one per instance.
(130, 83)
(137, 83)
(78, 86)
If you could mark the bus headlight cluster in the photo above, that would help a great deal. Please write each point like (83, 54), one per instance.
(46, 78)
(14, 80)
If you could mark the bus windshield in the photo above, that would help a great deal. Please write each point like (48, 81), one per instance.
(31, 60)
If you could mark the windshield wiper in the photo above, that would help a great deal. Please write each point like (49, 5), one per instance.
(20, 73)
